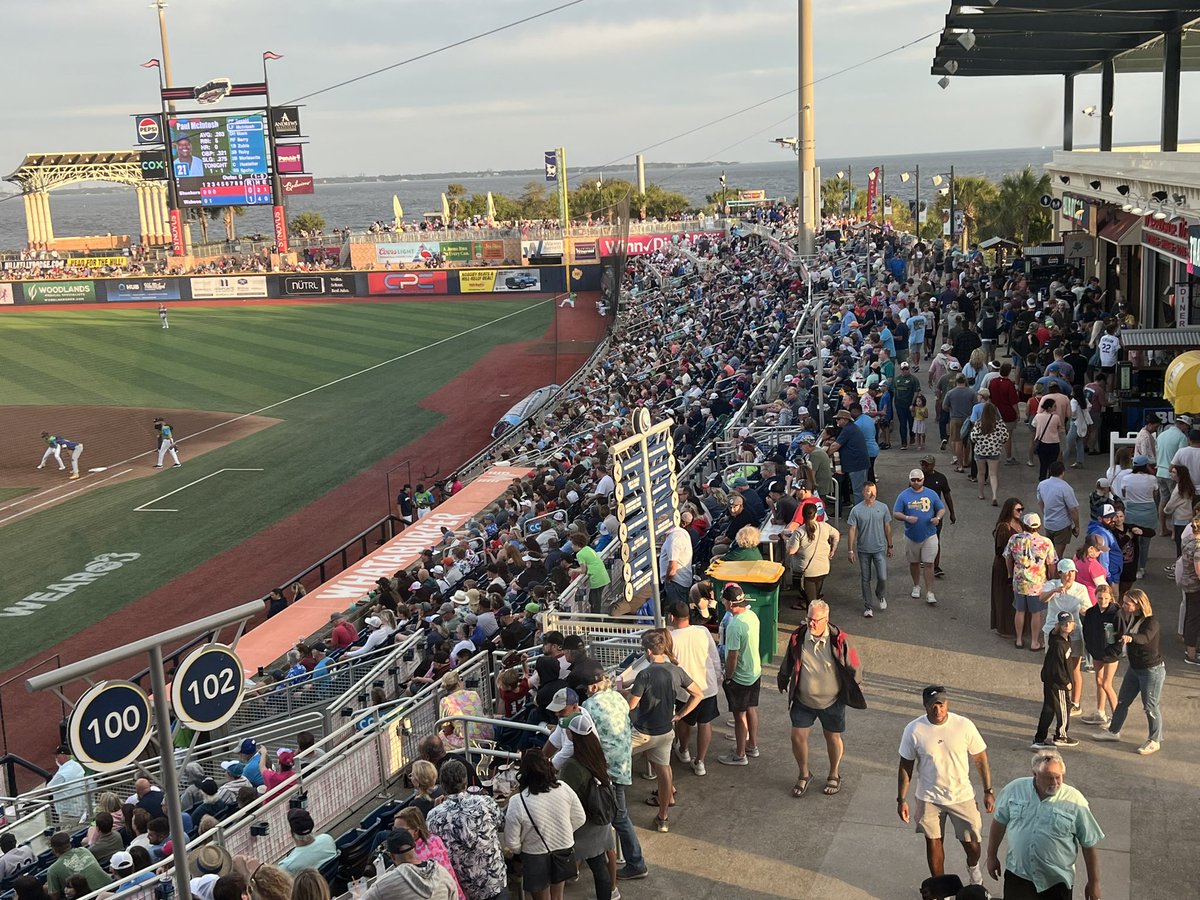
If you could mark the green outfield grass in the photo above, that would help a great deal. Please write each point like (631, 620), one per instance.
(237, 360)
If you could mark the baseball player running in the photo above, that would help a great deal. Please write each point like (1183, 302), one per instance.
(166, 442)
(55, 446)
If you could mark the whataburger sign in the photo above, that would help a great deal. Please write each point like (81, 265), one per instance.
(268, 642)
(641, 244)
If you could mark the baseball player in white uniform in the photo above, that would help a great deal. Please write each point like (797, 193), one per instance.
(166, 442)
(53, 450)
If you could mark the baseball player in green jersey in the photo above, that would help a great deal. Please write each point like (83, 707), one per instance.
(55, 446)
(53, 449)
(166, 442)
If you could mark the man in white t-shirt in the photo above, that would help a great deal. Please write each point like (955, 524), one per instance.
(1109, 348)
(1189, 456)
(696, 652)
(939, 748)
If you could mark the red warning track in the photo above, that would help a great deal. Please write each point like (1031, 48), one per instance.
(275, 554)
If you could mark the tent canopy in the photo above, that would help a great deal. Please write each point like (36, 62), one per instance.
(1181, 385)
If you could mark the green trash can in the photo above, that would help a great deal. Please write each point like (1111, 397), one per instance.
(759, 579)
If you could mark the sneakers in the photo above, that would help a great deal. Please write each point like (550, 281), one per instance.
(730, 759)
(177, 466)
(1047, 744)
(629, 873)
(41, 467)
(916, 592)
(1105, 735)
(1141, 573)
(614, 895)
(943, 447)
(698, 768)
(157, 466)
(73, 476)
(1191, 660)
(1095, 718)
(939, 573)
(868, 614)
(1065, 742)
(1147, 748)
(883, 603)
(662, 826)
(682, 753)
(753, 752)
(974, 875)
(930, 599)
(1076, 709)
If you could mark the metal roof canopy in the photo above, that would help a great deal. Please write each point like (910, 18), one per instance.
(1064, 37)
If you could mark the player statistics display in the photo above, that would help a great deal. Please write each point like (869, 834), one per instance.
(221, 160)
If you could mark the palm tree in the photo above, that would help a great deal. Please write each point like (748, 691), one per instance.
(456, 193)
(973, 196)
(1017, 212)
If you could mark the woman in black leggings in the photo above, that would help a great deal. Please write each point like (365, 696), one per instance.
(1047, 437)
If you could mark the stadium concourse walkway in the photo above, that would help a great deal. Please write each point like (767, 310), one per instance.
(738, 833)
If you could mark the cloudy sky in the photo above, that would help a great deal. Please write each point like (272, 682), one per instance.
(605, 78)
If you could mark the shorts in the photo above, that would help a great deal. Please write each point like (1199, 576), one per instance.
(931, 819)
(742, 697)
(1029, 603)
(955, 428)
(657, 747)
(921, 552)
(706, 710)
(540, 870)
(833, 718)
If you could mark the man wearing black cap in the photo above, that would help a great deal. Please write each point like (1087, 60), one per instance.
(312, 850)
(411, 878)
(70, 801)
(939, 748)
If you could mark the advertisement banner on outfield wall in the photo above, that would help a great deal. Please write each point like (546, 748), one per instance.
(491, 251)
(641, 244)
(427, 282)
(60, 291)
(457, 251)
(99, 262)
(531, 249)
(409, 252)
(6, 294)
(507, 281)
(329, 285)
(142, 289)
(476, 281)
(584, 250)
(235, 287)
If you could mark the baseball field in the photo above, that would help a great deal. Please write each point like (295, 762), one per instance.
(288, 417)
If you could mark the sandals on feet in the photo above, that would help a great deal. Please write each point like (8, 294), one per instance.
(801, 785)
(833, 784)
(652, 800)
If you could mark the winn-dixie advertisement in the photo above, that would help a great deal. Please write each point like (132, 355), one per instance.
(499, 281)
(641, 244)
(59, 291)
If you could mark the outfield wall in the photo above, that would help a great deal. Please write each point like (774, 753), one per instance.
(324, 285)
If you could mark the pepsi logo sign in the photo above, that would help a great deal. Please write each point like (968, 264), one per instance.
(149, 129)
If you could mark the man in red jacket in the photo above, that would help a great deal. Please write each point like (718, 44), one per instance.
(344, 633)
(1005, 399)
(821, 676)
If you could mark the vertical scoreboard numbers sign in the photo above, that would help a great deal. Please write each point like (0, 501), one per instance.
(110, 725)
(647, 507)
(208, 687)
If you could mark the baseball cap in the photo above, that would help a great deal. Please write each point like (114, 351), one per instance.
(400, 841)
(374, 621)
(916, 475)
(740, 481)
(904, 365)
(532, 607)
(233, 767)
(808, 438)
(1103, 482)
(1107, 510)
(438, 570)
(1186, 420)
(946, 347)
(1032, 520)
(954, 366)
(1066, 565)
(247, 746)
(1194, 434)
(1064, 616)
(209, 786)
(582, 724)
(285, 757)
(120, 861)
(573, 642)
(929, 458)
(935, 693)
(300, 821)
(562, 699)
(1141, 460)
(62, 750)
(334, 616)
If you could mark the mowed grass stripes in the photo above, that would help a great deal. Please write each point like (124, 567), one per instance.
(237, 361)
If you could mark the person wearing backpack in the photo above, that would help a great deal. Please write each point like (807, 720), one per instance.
(586, 773)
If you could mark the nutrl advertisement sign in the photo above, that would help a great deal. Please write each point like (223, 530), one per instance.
(318, 285)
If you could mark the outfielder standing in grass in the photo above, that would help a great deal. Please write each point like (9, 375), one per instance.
(162, 315)
(55, 447)
(166, 442)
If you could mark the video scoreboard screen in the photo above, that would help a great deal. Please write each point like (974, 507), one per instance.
(221, 160)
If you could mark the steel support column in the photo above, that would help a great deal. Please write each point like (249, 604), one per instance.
(1107, 78)
(1172, 64)
(1068, 142)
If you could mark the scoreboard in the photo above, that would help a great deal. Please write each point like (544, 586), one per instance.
(221, 160)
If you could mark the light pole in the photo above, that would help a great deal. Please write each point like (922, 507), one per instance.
(806, 135)
(279, 209)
